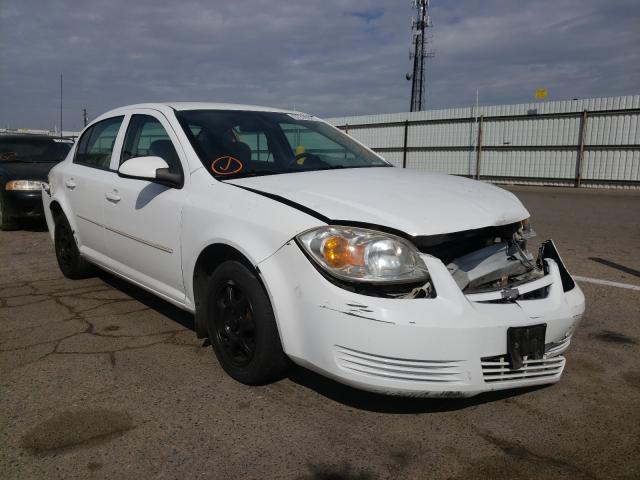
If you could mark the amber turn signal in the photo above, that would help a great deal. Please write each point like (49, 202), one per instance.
(338, 253)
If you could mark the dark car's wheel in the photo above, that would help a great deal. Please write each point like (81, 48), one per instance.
(242, 327)
(70, 262)
(5, 222)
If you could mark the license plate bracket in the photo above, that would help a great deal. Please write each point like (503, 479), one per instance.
(525, 342)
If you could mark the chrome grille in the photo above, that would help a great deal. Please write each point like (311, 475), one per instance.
(399, 368)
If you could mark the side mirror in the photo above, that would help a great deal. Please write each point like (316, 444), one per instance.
(152, 169)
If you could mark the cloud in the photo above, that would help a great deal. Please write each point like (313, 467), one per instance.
(335, 57)
(368, 15)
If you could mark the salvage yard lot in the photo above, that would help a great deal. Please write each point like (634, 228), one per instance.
(100, 379)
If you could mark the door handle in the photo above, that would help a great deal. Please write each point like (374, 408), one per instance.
(70, 184)
(112, 197)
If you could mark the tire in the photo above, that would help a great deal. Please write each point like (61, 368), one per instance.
(242, 327)
(5, 222)
(71, 263)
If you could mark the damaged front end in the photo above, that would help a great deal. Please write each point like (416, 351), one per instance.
(490, 264)
(494, 265)
(489, 316)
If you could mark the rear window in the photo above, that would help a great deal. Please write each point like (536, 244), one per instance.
(96, 144)
(34, 150)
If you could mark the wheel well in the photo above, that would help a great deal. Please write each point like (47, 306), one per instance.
(208, 260)
(56, 210)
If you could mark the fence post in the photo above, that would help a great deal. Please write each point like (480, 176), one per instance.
(404, 147)
(583, 131)
(479, 148)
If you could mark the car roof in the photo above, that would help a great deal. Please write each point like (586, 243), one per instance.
(169, 107)
(223, 106)
(163, 106)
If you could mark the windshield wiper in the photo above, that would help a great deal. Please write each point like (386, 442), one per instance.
(253, 173)
(260, 173)
(334, 167)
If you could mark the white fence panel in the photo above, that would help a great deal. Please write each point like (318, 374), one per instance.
(589, 142)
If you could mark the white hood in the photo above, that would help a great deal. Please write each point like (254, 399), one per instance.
(415, 202)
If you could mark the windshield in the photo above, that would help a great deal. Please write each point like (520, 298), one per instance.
(34, 150)
(234, 144)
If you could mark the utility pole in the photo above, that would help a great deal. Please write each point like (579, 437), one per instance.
(85, 117)
(60, 105)
(420, 39)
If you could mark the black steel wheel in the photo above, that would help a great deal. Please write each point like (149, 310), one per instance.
(241, 325)
(234, 325)
(71, 264)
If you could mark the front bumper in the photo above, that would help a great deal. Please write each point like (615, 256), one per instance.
(22, 204)
(444, 346)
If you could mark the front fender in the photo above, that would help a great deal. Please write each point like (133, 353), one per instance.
(217, 212)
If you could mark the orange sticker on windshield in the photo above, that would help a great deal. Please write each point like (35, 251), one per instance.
(226, 165)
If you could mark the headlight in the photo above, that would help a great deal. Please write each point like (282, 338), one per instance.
(362, 255)
(23, 185)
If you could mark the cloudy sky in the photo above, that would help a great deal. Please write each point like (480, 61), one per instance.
(329, 57)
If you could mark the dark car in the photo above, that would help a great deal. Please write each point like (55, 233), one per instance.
(25, 161)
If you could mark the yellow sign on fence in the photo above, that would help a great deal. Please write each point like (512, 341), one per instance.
(541, 93)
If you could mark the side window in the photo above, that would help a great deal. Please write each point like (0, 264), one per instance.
(96, 144)
(147, 137)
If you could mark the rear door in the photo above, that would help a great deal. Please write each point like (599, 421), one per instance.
(86, 181)
(142, 218)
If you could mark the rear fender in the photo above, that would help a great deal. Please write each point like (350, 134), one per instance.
(48, 199)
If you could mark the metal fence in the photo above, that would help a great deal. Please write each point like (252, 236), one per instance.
(585, 143)
(38, 131)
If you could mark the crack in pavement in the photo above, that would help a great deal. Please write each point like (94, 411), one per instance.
(64, 297)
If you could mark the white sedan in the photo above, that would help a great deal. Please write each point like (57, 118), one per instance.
(291, 241)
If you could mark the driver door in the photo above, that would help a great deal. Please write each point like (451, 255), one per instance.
(143, 218)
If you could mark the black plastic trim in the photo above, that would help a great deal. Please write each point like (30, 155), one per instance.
(171, 180)
(374, 226)
(548, 250)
